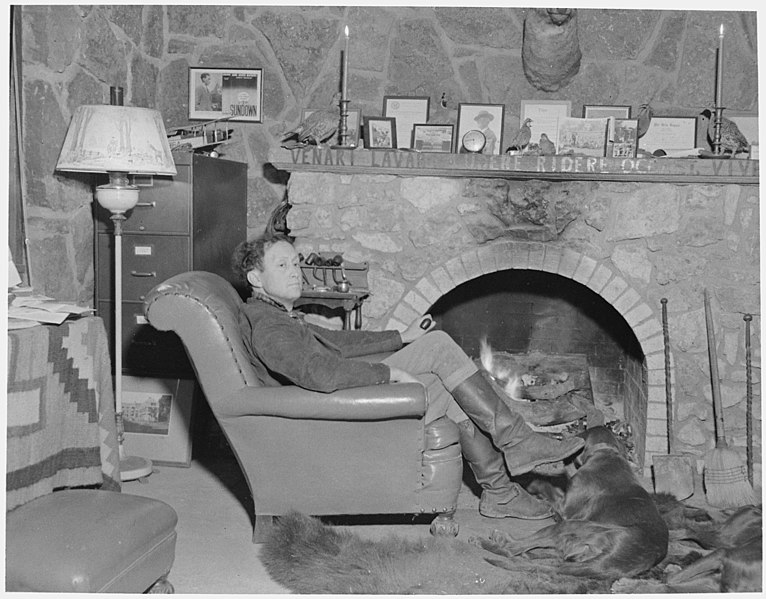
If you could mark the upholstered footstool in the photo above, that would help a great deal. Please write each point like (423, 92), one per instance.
(90, 541)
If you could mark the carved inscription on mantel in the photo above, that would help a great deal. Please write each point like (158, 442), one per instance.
(407, 163)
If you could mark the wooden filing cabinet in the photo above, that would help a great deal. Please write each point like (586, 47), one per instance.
(192, 221)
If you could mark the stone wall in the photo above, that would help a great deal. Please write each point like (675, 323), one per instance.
(73, 53)
(631, 243)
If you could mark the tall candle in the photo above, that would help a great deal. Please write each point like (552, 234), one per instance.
(344, 71)
(719, 71)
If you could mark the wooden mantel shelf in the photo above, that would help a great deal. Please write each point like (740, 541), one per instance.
(557, 168)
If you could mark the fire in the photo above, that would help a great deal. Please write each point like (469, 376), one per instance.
(510, 383)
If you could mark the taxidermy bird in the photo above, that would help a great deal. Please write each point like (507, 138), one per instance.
(645, 114)
(522, 137)
(547, 147)
(732, 140)
(316, 128)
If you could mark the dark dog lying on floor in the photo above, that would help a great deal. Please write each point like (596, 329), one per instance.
(610, 526)
(737, 560)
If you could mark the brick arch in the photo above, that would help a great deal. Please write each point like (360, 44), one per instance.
(599, 276)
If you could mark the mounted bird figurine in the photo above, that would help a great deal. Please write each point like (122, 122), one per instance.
(732, 140)
(645, 114)
(547, 147)
(521, 139)
(316, 128)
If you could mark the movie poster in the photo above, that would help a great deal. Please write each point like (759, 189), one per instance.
(235, 94)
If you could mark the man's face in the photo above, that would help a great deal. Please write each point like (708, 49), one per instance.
(280, 278)
(205, 79)
(483, 122)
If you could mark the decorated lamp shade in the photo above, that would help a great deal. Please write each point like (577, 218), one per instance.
(125, 139)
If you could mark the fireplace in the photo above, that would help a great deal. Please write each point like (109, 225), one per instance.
(558, 254)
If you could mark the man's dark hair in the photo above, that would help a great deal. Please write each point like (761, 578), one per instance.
(249, 254)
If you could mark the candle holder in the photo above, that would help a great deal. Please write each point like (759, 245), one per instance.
(717, 130)
(343, 129)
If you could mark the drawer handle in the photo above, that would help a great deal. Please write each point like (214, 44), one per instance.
(146, 204)
(134, 273)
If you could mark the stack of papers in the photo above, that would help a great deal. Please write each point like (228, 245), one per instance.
(28, 310)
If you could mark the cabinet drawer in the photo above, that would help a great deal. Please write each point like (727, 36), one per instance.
(145, 350)
(163, 207)
(147, 260)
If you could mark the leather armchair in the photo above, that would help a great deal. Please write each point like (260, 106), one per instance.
(365, 450)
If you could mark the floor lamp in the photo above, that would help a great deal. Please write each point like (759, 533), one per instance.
(119, 141)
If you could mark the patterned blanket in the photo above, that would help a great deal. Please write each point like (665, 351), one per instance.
(60, 426)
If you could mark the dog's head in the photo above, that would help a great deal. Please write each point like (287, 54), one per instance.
(599, 439)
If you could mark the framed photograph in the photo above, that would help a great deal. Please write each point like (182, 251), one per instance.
(215, 93)
(670, 134)
(156, 416)
(624, 143)
(598, 111)
(432, 138)
(487, 118)
(545, 115)
(407, 110)
(354, 124)
(582, 136)
(380, 132)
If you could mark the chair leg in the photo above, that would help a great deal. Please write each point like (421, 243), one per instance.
(444, 525)
(162, 586)
(263, 525)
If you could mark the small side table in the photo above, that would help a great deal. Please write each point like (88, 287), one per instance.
(350, 302)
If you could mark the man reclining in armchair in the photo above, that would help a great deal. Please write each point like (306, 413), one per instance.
(286, 349)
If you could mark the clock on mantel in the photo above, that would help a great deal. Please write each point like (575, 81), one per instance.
(557, 168)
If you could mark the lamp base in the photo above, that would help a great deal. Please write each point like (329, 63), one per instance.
(133, 467)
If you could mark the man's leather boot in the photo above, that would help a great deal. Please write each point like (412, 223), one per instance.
(523, 448)
(500, 496)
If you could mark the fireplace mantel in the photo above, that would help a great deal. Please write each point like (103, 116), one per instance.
(554, 168)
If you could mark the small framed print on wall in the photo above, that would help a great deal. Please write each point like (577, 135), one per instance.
(432, 138)
(407, 110)
(157, 419)
(215, 93)
(379, 132)
(670, 134)
(624, 142)
(486, 118)
(597, 111)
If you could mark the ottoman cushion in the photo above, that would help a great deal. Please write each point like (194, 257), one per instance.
(89, 541)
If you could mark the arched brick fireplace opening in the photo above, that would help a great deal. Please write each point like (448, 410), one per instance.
(643, 388)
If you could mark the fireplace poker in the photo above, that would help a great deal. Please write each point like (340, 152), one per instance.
(749, 413)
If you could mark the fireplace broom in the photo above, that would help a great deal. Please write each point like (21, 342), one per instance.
(726, 483)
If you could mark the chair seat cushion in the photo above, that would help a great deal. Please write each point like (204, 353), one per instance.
(89, 541)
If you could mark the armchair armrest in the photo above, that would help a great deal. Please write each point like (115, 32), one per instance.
(377, 402)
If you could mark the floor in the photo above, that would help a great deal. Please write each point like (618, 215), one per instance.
(214, 551)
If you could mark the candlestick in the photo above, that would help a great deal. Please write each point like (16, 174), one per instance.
(719, 71)
(344, 71)
(718, 95)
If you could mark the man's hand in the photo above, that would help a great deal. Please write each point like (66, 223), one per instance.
(401, 376)
(418, 328)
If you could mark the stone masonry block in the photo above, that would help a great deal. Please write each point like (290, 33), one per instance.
(614, 289)
(656, 410)
(442, 279)
(656, 393)
(457, 271)
(552, 259)
(653, 344)
(520, 256)
(585, 269)
(428, 290)
(600, 278)
(656, 444)
(536, 256)
(471, 263)
(417, 302)
(638, 314)
(647, 329)
(657, 427)
(657, 377)
(405, 313)
(655, 360)
(395, 325)
(486, 255)
(627, 300)
(504, 256)
(569, 261)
